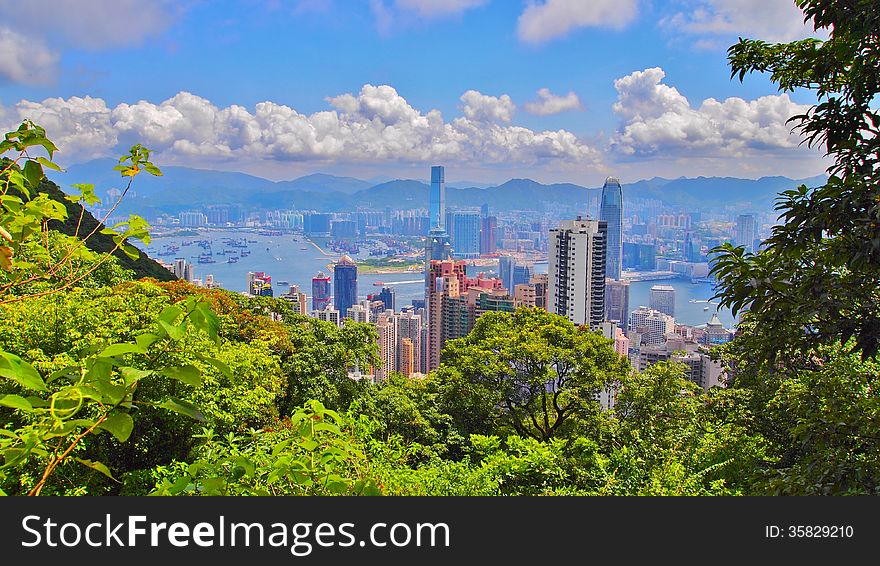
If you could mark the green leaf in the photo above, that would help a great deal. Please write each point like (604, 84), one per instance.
(153, 170)
(87, 193)
(33, 172)
(174, 332)
(182, 407)
(222, 367)
(170, 314)
(133, 375)
(130, 251)
(98, 466)
(120, 349)
(23, 373)
(46, 163)
(188, 374)
(16, 402)
(119, 425)
(145, 340)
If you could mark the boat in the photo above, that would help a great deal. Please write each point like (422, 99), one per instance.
(207, 260)
(304, 248)
(378, 283)
(705, 308)
(283, 282)
(232, 260)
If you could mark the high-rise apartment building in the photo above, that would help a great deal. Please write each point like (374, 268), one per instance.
(445, 279)
(617, 302)
(259, 284)
(663, 299)
(651, 325)
(328, 314)
(611, 212)
(437, 199)
(746, 231)
(344, 284)
(387, 331)
(576, 271)
(524, 296)
(358, 313)
(409, 327)
(320, 291)
(406, 353)
(298, 299)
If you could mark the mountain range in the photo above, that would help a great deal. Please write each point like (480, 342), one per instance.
(184, 188)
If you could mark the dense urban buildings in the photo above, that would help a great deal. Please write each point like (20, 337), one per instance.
(591, 265)
(576, 271)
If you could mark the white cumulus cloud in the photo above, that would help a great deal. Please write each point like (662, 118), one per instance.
(374, 125)
(549, 103)
(92, 23)
(770, 20)
(543, 20)
(484, 108)
(658, 120)
(25, 60)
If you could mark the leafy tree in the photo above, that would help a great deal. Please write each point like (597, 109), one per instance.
(532, 371)
(818, 280)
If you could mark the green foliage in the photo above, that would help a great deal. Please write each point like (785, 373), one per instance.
(817, 280)
(26, 213)
(312, 454)
(100, 391)
(533, 371)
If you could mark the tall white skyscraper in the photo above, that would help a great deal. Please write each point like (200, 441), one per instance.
(611, 212)
(576, 271)
(663, 299)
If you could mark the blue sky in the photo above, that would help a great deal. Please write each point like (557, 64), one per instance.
(555, 90)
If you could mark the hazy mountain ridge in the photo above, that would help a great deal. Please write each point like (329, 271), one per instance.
(183, 188)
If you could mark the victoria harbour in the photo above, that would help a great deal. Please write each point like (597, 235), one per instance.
(293, 259)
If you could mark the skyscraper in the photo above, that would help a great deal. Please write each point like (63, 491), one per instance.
(345, 288)
(466, 233)
(387, 331)
(617, 302)
(320, 291)
(663, 299)
(576, 271)
(445, 279)
(505, 271)
(611, 212)
(409, 327)
(407, 356)
(746, 232)
(437, 202)
(488, 226)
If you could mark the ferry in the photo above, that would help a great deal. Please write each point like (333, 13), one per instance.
(232, 260)
(378, 284)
